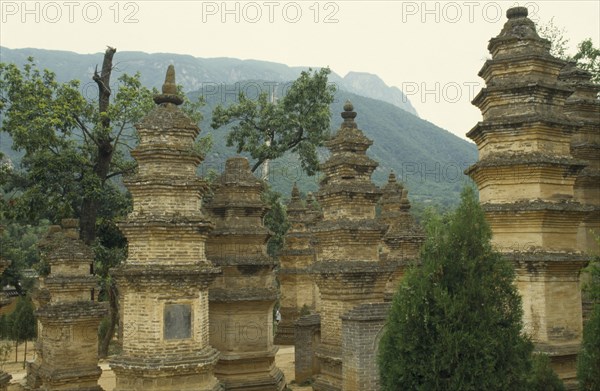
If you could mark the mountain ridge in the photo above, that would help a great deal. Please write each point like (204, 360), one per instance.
(194, 72)
(428, 159)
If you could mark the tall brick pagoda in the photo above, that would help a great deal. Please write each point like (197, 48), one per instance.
(298, 290)
(68, 317)
(243, 298)
(526, 176)
(347, 268)
(583, 107)
(403, 239)
(163, 284)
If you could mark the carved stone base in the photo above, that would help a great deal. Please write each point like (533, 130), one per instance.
(285, 333)
(136, 374)
(254, 372)
(330, 360)
(67, 380)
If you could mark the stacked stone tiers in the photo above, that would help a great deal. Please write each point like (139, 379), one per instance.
(526, 177)
(583, 108)
(243, 297)
(403, 238)
(68, 317)
(298, 291)
(347, 270)
(164, 282)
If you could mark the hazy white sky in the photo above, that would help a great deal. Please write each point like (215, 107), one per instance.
(432, 50)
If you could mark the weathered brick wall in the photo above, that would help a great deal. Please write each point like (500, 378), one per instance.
(583, 106)
(163, 284)
(526, 175)
(347, 268)
(361, 330)
(68, 318)
(307, 338)
(243, 297)
(297, 285)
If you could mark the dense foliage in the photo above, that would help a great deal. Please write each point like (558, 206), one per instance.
(18, 243)
(587, 56)
(74, 149)
(275, 220)
(455, 322)
(298, 122)
(427, 158)
(588, 361)
(542, 376)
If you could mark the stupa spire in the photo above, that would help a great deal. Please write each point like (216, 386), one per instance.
(169, 89)
(348, 115)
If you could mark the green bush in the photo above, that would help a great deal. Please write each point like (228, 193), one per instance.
(455, 322)
(588, 361)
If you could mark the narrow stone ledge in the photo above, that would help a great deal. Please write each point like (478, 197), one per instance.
(242, 294)
(308, 320)
(352, 267)
(538, 205)
(368, 312)
(206, 358)
(82, 310)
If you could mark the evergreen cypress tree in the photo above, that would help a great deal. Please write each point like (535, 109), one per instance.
(588, 361)
(23, 323)
(455, 322)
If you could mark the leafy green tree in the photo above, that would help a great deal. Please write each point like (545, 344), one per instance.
(73, 146)
(23, 323)
(275, 220)
(455, 322)
(588, 360)
(557, 37)
(18, 243)
(587, 56)
(75, 149)
(298, 122)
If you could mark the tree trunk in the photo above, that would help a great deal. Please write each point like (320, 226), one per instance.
(17, 350)
(89, 207)
(114, 314)
(25, 355)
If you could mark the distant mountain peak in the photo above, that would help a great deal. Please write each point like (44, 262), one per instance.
(197, 72)
(372, 86)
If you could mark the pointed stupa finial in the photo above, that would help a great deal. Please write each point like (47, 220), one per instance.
(169, 89)
(310, 200)
(295, 192)
(348, 115)
(392, 177)
(517, 12)
(404, 202)
(295, 204)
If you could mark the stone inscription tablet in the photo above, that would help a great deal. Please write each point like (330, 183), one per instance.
(178, 321)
